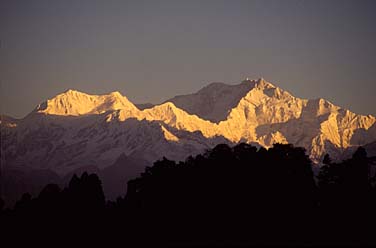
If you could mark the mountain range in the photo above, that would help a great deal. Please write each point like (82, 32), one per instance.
(109, 134)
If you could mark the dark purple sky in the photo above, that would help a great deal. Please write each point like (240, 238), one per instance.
(154, 50)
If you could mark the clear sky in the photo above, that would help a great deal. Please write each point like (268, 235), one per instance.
(153, 50)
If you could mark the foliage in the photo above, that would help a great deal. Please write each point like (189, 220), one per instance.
(228, 195)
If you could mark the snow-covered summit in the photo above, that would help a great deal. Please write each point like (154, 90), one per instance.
(214, 101)
(74, 131)
(253, 111)
(76, 103)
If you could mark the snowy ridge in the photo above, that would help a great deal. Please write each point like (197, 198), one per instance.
(74, 129)
(76, 103)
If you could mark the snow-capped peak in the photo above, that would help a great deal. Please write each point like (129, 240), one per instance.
(262, 83)
(75, 103)
(254, 111)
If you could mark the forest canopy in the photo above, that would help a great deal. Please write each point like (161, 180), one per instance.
(229, 195)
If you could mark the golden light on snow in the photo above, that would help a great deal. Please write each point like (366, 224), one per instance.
(264, 114)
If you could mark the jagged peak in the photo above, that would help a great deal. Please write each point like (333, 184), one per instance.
(71, 91)
(215, 101)
(116, 93)
(252, 111)
(73, 102)
(171, 113)
(262, 83)
(167, 108)
(259, 83)
(167, 105)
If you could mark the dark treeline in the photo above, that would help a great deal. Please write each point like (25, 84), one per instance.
(227, 196)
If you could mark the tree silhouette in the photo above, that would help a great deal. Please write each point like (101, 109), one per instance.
(2, 203)
(345, 197)
(327, 160)
(237, 195)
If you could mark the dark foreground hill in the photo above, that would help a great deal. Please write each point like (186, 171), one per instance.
(226, 196)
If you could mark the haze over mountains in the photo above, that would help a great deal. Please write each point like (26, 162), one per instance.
(74, 130)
